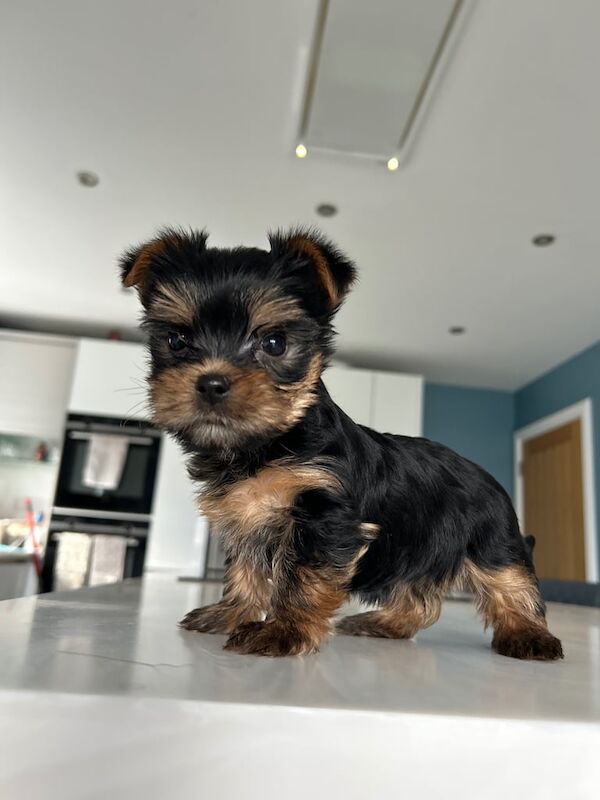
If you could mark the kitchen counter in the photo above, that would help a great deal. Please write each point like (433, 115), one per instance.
(100, 690)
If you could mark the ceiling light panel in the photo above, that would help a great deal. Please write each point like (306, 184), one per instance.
(373, 66)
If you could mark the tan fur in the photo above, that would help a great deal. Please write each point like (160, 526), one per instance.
(411, 608)
(173, 303)
(173, 396)
(254, 405)
(300, 617)
(246, 598)
(370, 530)
(316, 597)
(265, 499)
(507, 597)
(137, 274)
(308, 248)
(269, 308)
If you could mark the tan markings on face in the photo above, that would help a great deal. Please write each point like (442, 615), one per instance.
(137, 274)
(314, 253)
(254, 405)
(173, 303)
(268, 308)
(264, 500)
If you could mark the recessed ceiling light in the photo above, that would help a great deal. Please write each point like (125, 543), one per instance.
(543, 239)
(393, 164)
(87, 178)
(301, 151)
(326, 210)
(457, 330)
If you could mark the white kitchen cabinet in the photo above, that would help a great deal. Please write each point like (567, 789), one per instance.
(351, 389)
(387, 401)
(109, 379)
(35, 379)
(397, 403)
(178, 533)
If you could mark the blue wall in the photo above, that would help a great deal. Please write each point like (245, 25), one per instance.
(477, 423)
(566, 384)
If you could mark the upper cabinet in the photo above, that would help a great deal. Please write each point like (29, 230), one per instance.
(387, 401)
(43, 377)
(351, 389)
(397, 403)
(109, 379)
(35, 378)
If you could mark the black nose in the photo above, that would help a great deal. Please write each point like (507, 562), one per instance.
(212, 388)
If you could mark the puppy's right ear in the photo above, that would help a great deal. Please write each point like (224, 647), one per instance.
(136, 261)
(135, 264)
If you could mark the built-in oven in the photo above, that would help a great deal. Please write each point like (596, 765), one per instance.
(133, 490)
(105, 488)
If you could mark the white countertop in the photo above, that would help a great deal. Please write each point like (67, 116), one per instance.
(109, 666)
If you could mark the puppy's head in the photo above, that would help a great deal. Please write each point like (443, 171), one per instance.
(238, 338)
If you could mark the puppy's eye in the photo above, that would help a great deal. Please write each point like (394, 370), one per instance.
(274, 344)
(177, 341)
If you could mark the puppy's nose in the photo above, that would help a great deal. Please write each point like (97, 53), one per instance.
(212, 388)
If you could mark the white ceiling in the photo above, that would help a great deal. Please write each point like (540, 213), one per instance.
(187, 109)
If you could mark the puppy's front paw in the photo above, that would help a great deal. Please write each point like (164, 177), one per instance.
(210, 619)
(270, 638)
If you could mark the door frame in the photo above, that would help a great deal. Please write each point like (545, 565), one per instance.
(583, 412)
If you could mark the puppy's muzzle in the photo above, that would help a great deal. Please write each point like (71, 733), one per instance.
(212, 389)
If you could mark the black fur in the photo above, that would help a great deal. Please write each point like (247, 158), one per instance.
(434, 509)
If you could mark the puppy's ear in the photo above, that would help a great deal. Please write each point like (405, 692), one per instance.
(333, 271)
(136, 262)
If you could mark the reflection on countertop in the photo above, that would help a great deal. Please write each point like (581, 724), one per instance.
(124, 640)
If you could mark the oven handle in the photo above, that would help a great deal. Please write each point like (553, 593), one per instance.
(145, 441)
(103, 427)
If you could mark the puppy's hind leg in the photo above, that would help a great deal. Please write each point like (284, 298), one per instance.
(508, 598)
(411, 608)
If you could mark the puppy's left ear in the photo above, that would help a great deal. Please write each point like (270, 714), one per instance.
(333, 271)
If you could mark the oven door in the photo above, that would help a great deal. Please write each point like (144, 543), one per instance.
(134, 492)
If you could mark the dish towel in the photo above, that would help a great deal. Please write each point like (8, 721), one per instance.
(105, 460)
(107, 560)
(72, 561)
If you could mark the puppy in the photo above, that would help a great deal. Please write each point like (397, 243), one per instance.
(313, 508)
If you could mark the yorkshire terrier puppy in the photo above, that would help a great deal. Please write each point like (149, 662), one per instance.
(313, 508)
